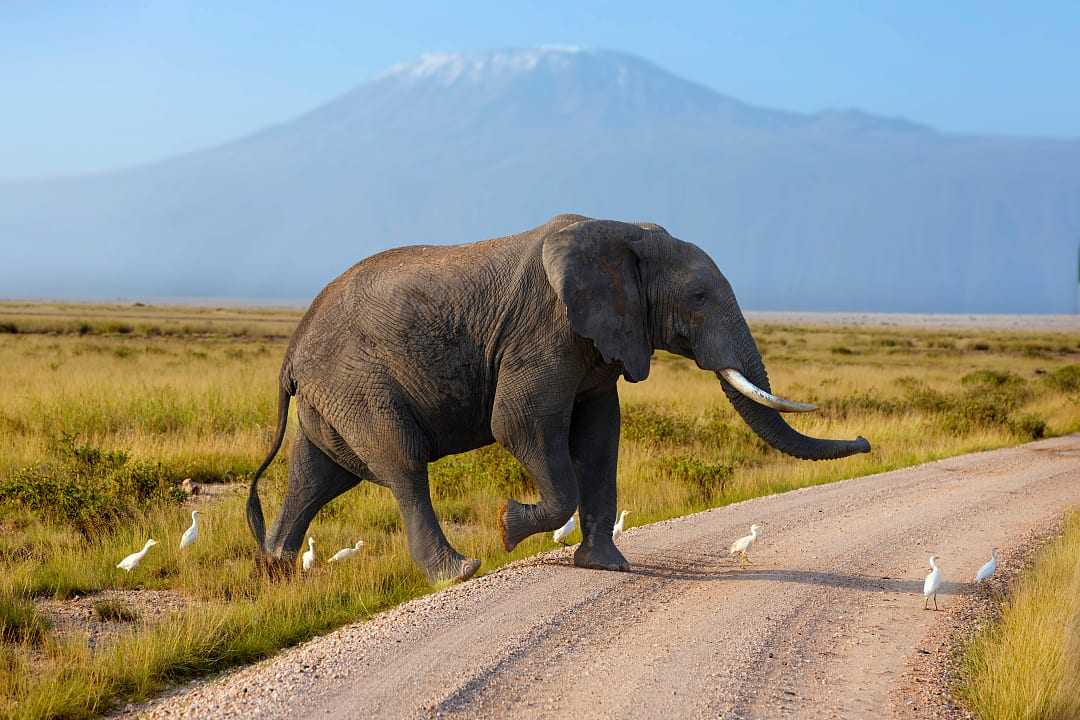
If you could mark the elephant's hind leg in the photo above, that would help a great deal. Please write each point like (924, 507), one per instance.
(393, 450)
(314, 480)
(428, 545)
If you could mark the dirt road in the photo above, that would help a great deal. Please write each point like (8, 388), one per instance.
(821, 625)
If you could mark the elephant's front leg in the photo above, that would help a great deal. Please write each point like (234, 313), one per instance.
(543, 448)
(594, 447)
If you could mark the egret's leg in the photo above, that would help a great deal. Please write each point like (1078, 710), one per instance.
(926, 603)
(935, 601)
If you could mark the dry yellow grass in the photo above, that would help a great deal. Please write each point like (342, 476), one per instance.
(1026, 666)
(200, 404)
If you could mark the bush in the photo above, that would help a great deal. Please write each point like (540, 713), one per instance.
(993, 378)
(1029, 426)
(989, 401)
(9, 327)
(706, 481)
(978, 411)
(642, 423)
(89, 487)
(1065, 378)
(841, 350)
(860, 403)
(924, 398)
(20, 621)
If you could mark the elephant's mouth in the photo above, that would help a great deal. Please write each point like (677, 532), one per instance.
(749, 390)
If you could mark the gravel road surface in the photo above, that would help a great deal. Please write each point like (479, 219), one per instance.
(821, 625)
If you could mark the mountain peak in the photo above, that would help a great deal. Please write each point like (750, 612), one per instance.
(604, 85)
(451, 68)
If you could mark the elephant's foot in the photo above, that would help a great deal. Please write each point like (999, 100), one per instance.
(602, 556)
(512, 524)
(453, 570)
(276, 568)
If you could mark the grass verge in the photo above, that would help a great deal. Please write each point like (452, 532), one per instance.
(1026, 665)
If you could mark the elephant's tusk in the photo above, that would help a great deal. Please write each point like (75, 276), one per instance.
(738, 381)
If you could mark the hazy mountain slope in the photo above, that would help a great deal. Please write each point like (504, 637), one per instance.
(838, 210)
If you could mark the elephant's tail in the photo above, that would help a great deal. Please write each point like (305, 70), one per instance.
(254, 507)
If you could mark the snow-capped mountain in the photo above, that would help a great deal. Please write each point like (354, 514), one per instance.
(832, 210)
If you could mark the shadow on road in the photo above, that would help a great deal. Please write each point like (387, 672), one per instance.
(706, 569)
(866, 583)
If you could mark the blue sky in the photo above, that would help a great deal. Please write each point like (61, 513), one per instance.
(96, 85)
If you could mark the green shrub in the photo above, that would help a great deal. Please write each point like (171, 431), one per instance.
(20, 621)
(1065, 378)
(705, 481)
(88, 487)
(841, 350)
(993, 378)
(1029, 426)
(894, 342)
(921, 397)
(859, 403)
(8, 327)
(642, 423)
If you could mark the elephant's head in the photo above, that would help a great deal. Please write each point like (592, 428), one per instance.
(635, 288)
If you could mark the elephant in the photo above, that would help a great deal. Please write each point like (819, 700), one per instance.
(420, 352)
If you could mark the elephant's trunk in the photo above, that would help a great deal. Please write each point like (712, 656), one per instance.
(759, 409)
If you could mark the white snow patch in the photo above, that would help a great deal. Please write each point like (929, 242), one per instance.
(449, 68)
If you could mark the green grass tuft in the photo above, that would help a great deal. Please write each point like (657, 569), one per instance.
(114, 611)
(20, 622)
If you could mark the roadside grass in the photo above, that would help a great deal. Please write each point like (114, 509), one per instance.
(202, 406)
(1026, 665)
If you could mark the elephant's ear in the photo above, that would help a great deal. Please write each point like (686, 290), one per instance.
(593, 269)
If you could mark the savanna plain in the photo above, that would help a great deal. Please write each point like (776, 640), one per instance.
(109, 408)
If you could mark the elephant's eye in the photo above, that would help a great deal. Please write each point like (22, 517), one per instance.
(699, 296)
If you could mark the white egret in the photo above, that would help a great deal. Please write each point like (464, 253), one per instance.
(132, 561)
(564, 532)
(742, 545)
(308, 559)
(346, 553)
(192, 533)
(618, 529)
(988, 569)
(932, 583)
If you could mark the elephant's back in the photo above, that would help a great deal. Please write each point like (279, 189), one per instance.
(424, 311)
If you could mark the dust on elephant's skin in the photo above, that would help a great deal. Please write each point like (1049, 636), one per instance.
(425, 351)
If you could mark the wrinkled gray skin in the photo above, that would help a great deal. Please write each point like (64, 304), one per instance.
(421, 352)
